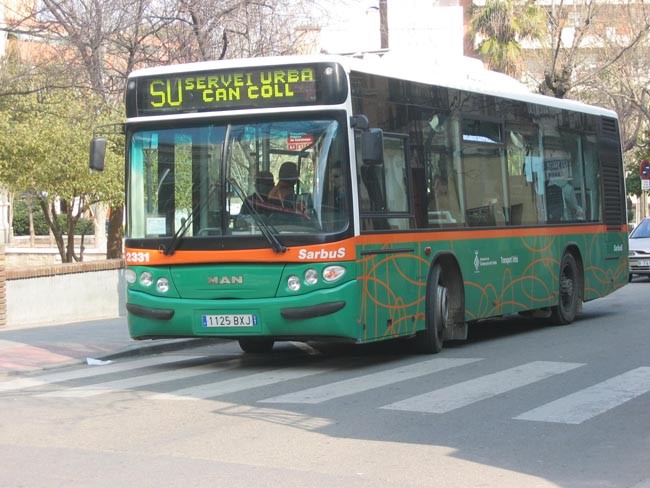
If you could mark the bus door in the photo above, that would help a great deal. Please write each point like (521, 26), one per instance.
(390, 261)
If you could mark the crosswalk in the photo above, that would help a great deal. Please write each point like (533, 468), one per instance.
(467, 392)
(166, 378)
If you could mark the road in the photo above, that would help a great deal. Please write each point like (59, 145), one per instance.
(518, 405)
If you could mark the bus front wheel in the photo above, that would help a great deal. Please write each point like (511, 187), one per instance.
(430, 340)
(256, 345)
(569, 293)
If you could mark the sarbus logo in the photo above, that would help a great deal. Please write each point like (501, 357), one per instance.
(322, 254)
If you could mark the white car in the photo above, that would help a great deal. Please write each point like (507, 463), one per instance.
(640, 249)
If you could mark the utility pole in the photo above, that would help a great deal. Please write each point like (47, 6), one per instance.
(383, 23)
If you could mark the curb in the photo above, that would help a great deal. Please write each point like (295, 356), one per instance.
(163, 345)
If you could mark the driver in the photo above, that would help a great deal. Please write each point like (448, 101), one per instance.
(284, 191)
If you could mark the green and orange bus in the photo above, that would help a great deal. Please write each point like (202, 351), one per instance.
(336, 198)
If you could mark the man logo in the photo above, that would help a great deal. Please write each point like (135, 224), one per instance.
(225, 280)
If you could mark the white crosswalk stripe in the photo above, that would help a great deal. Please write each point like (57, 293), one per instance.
(255, 380)
(369, 381)
(595, 400)
(89, 372)
(462, 394)
(139, 381)
(574, 408)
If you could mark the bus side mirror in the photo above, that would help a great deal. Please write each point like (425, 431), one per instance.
(372, 147)
(97, 153)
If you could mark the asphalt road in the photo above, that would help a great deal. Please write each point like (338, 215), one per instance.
(520, 404)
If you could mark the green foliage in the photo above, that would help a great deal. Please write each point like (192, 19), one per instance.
(44, 141)
(21, 220)
(633, 163)
(502, 25)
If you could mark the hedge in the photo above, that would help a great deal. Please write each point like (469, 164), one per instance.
(21, 221)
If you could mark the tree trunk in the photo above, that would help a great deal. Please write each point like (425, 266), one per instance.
(11, 196)
(32, 233)
(115, 233)
(49, 212)
(99, 211)
(72, 225)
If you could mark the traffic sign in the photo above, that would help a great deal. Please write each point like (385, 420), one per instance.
(644, 169)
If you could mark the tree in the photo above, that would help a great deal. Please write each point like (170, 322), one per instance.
(579, 44)
(45, 154)
(101, 42)
(501, 25)
(599, 53)
(218, 29)
(594, 51)
(641, 152)
(620, 74)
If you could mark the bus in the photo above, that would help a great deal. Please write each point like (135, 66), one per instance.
(341, 198)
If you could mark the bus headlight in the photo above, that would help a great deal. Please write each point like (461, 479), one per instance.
(162, 285)
(311, 276)
(333, 273)
(130, 276)
(146, 279)
(293, 282)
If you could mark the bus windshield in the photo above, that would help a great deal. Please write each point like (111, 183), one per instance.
(250, 179)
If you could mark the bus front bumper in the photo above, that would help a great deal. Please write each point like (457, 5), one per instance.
(324, 313)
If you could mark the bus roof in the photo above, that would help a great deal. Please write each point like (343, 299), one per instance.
(461, 73)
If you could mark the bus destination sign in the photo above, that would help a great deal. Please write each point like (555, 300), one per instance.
(234, 89)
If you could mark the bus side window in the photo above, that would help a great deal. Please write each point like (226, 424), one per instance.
(385, 184)
(523, 157)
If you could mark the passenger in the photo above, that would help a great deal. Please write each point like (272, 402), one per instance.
(284, 191)
(337, 188)
(571, 210)
(263, 185)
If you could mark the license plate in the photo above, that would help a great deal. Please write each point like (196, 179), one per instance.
(643, 264)
(229, 320)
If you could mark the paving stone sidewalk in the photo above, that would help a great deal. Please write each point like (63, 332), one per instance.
(36, 348)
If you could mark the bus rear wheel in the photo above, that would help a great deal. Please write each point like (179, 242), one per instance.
(430, 340)
(256, 345)
(569, 293)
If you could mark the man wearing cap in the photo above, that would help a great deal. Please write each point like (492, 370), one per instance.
(284, 190)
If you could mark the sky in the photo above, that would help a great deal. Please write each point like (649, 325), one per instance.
(354, 27)
(415, 26)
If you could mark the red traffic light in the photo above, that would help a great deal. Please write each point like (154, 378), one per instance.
(644, 169)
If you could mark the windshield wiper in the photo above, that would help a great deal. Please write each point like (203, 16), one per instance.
(182, 230)
(265, 228)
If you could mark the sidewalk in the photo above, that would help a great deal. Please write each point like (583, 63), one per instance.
(36, 348)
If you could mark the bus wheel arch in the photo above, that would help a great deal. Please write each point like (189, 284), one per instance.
(571, 287)
(445, 306)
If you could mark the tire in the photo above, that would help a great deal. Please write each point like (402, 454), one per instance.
(430, 340)
(256, 345)
(569, 295)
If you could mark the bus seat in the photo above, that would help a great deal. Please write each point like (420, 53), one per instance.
(516, 212)
(554, 203)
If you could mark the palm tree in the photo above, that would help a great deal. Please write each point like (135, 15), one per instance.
(502, 24)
